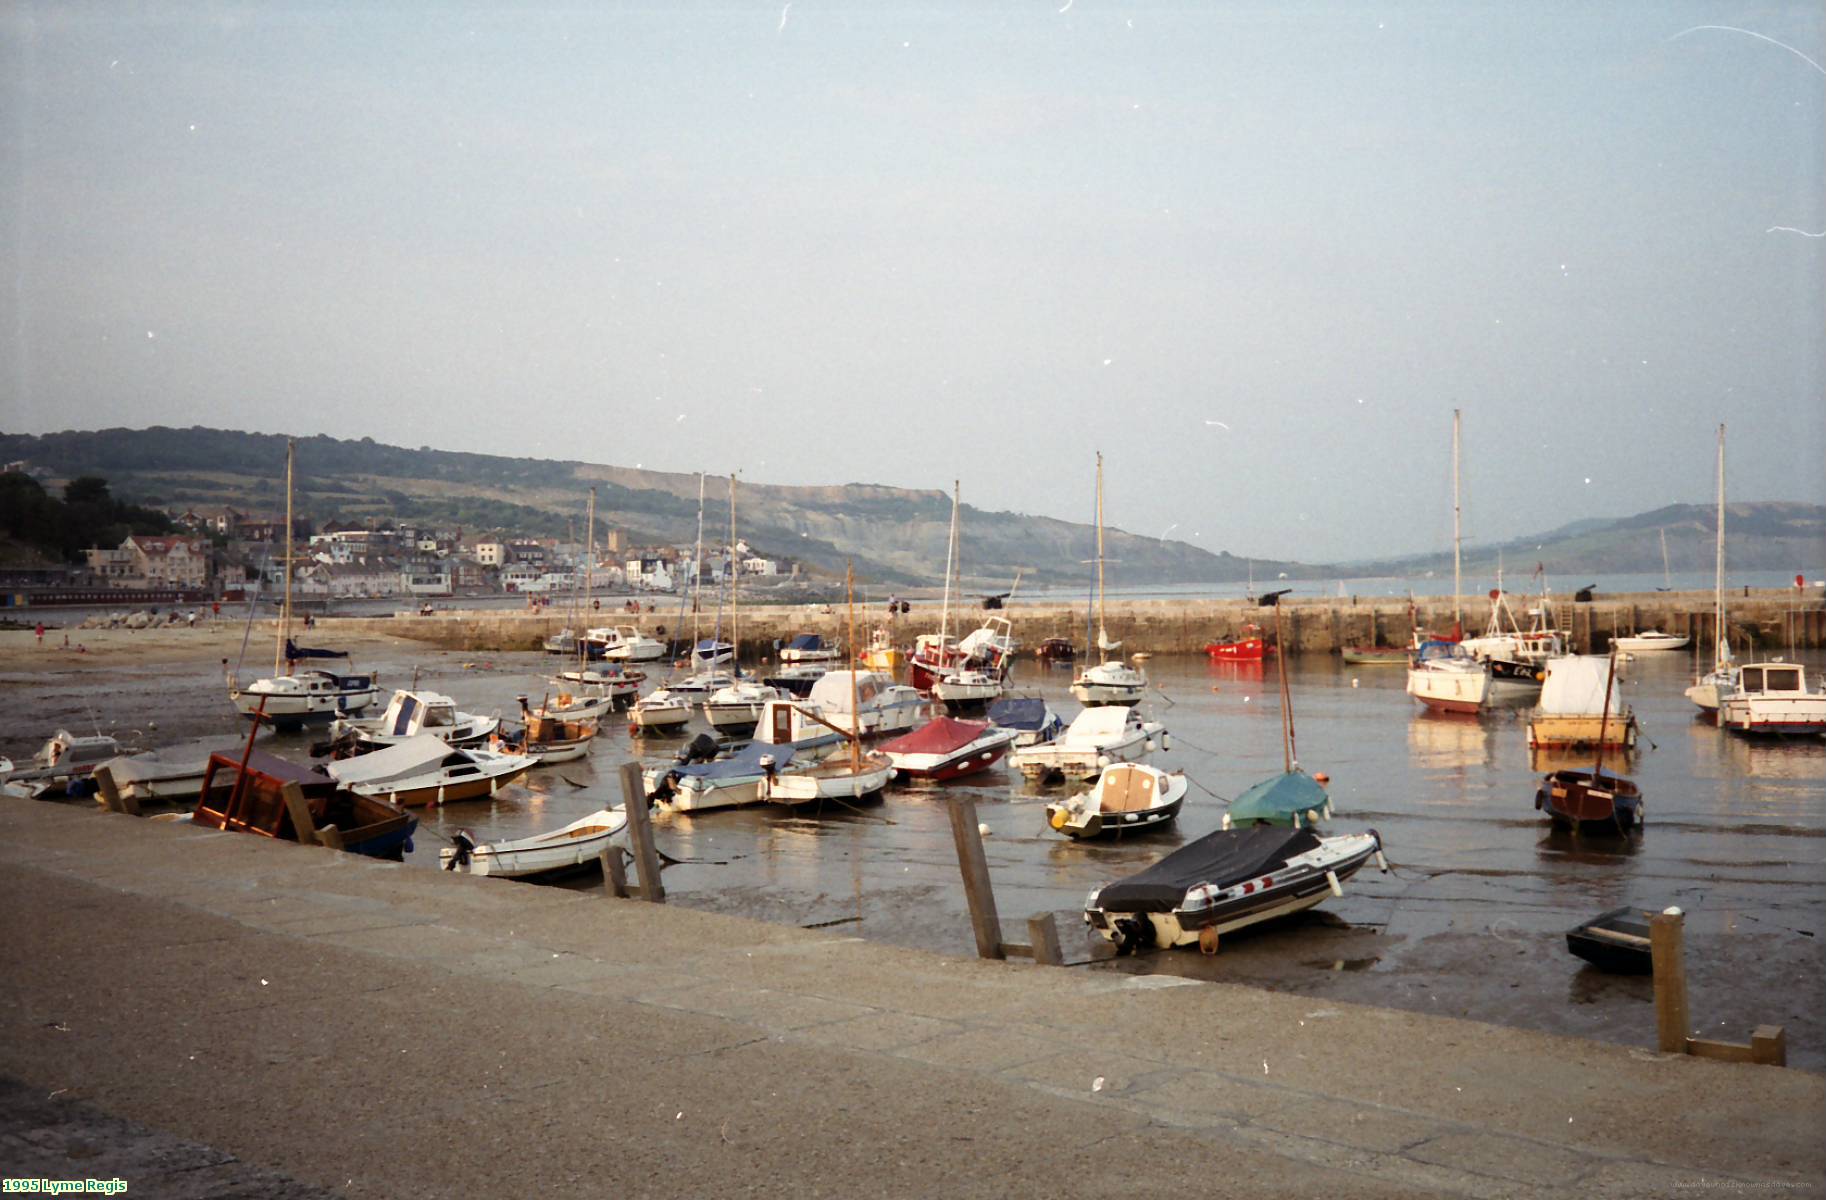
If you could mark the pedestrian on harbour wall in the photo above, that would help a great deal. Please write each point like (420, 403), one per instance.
(41, 633)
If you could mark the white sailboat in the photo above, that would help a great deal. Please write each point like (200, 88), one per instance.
(1710, 689)
(736, 707)
(667, 709)
(289, 697)
(1109, 682)
(1444, 675)
(972, 682)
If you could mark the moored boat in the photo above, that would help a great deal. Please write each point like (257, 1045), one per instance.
(741, 777)
(1292, 798)
(1773, 698)
(410, 714)
(573, 847)
(1127, 798)
(945, 749)
(796, 680)
(1650, 641)
(1247, 646)
(1375, 656)
(1030, 718)
(424, 770)
(1096, 738)
(1225, 881)
(1590, 801)
(839, 778)
(1056, 650)
(809, 648)
(1579, 707)
(1444, 676)
(247, 794)
(1616, 941)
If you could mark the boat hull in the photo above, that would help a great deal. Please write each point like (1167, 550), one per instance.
(965, 761)
(1573, 800)
(1571, 732)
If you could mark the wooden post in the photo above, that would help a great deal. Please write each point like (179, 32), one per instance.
(615, 872)
(975, 868)
(640, 833)
(110, 793)
(1666, 931)
(1769, 1045)
(1043, 934)
(300, 813)
(330, 836)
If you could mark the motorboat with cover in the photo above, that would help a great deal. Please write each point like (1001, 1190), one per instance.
(1224, 881)
(1096, 738)
(165, 776)
(246, 794)
(574, 847)
(1030, 718)
(880, 707)
(740, 777)
(1127, 798)
(1773, 698)
(1578, 707)
(425, 770)
(796, 680)
(944, 749)
(410, 714)
(1292, 798)
(809, 648)
(621, 643)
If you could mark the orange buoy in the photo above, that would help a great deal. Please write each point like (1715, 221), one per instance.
(1321, 778)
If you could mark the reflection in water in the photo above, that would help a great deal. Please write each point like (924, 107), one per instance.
(1773, 758)
(1560, 847)
(1440, 741)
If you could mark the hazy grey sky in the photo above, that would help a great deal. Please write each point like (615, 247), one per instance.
(1255, 253)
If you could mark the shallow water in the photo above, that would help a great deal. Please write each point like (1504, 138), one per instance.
(1470, 922)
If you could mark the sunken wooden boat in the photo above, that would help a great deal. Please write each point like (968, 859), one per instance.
(1616, 941)
(1127, 798)
(247, 795)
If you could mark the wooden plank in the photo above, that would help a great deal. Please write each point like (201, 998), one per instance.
(111, 794)
(1667, 935)
(300, 813)
(1769, 1045)
(1043, 932)
(975, 868)
(640, 833)
(1722, 1051)
(330, 836)
(615, 872)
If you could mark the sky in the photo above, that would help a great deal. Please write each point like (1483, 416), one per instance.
(1255, 253)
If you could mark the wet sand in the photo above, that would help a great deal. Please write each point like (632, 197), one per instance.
(1470, 923)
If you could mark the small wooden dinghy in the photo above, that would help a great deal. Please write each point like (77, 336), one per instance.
(575, 846)
(1590, 801)
(1127, 798)
(1616, 941)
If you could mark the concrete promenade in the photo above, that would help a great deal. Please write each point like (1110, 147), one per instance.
(385, 1031)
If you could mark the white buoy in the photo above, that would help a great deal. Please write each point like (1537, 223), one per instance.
(982, 829)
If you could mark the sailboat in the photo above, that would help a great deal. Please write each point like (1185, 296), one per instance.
(936, 653)
(1576, 800)
(667, 709)
(1109, 682)
(1291, 798)
(985, 654)
(1667, 576)
(1710, 689)
(290, 697)
(1444, 675)
(737, 705)
(589, 691)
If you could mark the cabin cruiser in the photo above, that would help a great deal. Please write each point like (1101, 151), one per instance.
(1113, 682)
(1096, 738)
(796, 680)
(659, 711)
(1224, 881)
(1445, 676)
(866, 703)
(809, 648)
(412, 713)
(1773, 698)
(621, 643)
(967, 688)
(288, 701)
(737, 707)
(424, 770)
(611, 682)
(64, 758)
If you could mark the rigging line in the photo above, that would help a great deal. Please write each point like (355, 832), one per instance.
(1207, 791)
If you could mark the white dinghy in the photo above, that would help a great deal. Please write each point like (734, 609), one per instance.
(575, 846)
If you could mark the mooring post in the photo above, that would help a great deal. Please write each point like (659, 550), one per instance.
(615, 872)
(330, 836)
(111, 795)
(1769, 1045)
(1667, 949)
(640, 833)
(975, 868)
(1043, 935)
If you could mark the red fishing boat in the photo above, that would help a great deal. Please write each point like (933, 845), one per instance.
(1248, 647)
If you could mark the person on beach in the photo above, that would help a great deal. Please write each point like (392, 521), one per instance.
(41, 635)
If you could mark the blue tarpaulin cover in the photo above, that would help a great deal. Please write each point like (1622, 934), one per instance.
(746, 761)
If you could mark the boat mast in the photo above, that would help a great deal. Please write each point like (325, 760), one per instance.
(1667, 576)
(735, 583)
(697, 564)
(1610, 677)
(944, 619)
(1287, 754)
(1722, 639)
(589, 554)
(849, 589)
(285, 610)
(1103, 635)
(1457, 569)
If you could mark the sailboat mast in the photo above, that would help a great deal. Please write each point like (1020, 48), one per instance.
(1287, 754)
(1667, 576)
(1102, 632)
(1457, 566)
(849, 590)
(589, 554)
(285, 610)
(697, 564)
(944, 618)
(1722, 653)
(735, 583)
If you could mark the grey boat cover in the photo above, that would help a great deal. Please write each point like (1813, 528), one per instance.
(417, 755)
(1019, 712)
(746, 761)
(1223, 858)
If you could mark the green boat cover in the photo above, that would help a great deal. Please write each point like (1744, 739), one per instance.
(1294, 798)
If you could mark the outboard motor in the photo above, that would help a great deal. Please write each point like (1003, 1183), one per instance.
(702, 749)
(463, 843)
(1133, 934)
